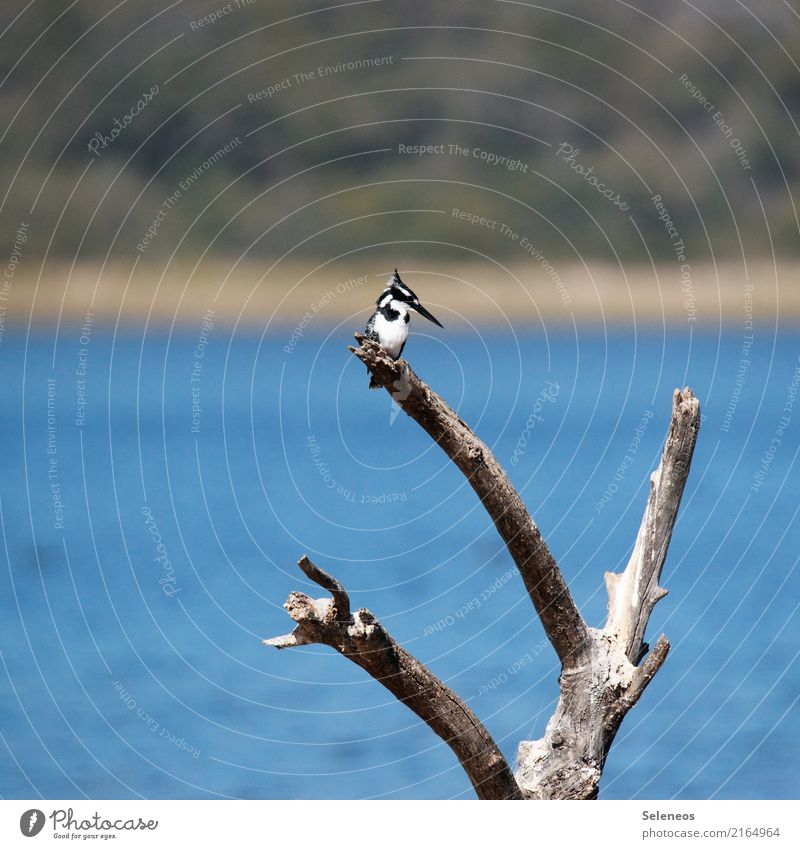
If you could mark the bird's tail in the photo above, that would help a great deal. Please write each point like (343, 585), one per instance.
(373, 384)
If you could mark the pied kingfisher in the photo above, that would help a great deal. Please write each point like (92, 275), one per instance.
(388, 325)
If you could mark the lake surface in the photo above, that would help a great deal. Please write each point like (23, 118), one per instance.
(158, 488)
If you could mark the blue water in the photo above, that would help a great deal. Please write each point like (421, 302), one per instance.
(127, 676)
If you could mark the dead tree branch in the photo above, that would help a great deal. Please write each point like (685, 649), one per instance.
(633, 594)
(562, 622)
(568, 761)
(361, 638)
(600, 677)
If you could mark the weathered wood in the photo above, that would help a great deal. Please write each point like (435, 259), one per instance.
(601, 679)
(633, 594)
(568, 761)
(362, 639)
(546, 587)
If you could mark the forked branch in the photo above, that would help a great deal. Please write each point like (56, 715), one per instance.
(361, 638)
(601, 678)
(568, 761)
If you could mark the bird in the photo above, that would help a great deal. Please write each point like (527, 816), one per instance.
(388, 325)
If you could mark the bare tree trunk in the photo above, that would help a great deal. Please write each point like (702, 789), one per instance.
(601, 674)
(568, 762)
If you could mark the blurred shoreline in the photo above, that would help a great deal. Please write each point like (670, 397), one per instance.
(303, 294)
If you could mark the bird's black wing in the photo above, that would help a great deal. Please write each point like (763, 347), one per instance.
(372, 334)
(369, 331)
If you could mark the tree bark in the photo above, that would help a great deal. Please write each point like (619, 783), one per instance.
(362, 639)
(601, 679)
(568, 761)
(546, 587)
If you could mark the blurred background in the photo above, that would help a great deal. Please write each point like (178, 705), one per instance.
(200, 204)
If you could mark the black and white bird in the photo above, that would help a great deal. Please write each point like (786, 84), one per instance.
(388, 325)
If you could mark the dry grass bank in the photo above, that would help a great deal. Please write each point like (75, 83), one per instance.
(254, 295)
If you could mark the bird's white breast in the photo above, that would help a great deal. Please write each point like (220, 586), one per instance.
(392, 334)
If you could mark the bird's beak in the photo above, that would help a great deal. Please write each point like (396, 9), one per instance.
(422, 311)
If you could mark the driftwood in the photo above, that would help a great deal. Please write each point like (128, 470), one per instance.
(603, 672)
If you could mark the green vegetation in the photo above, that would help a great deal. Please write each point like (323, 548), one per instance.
(268, 127)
